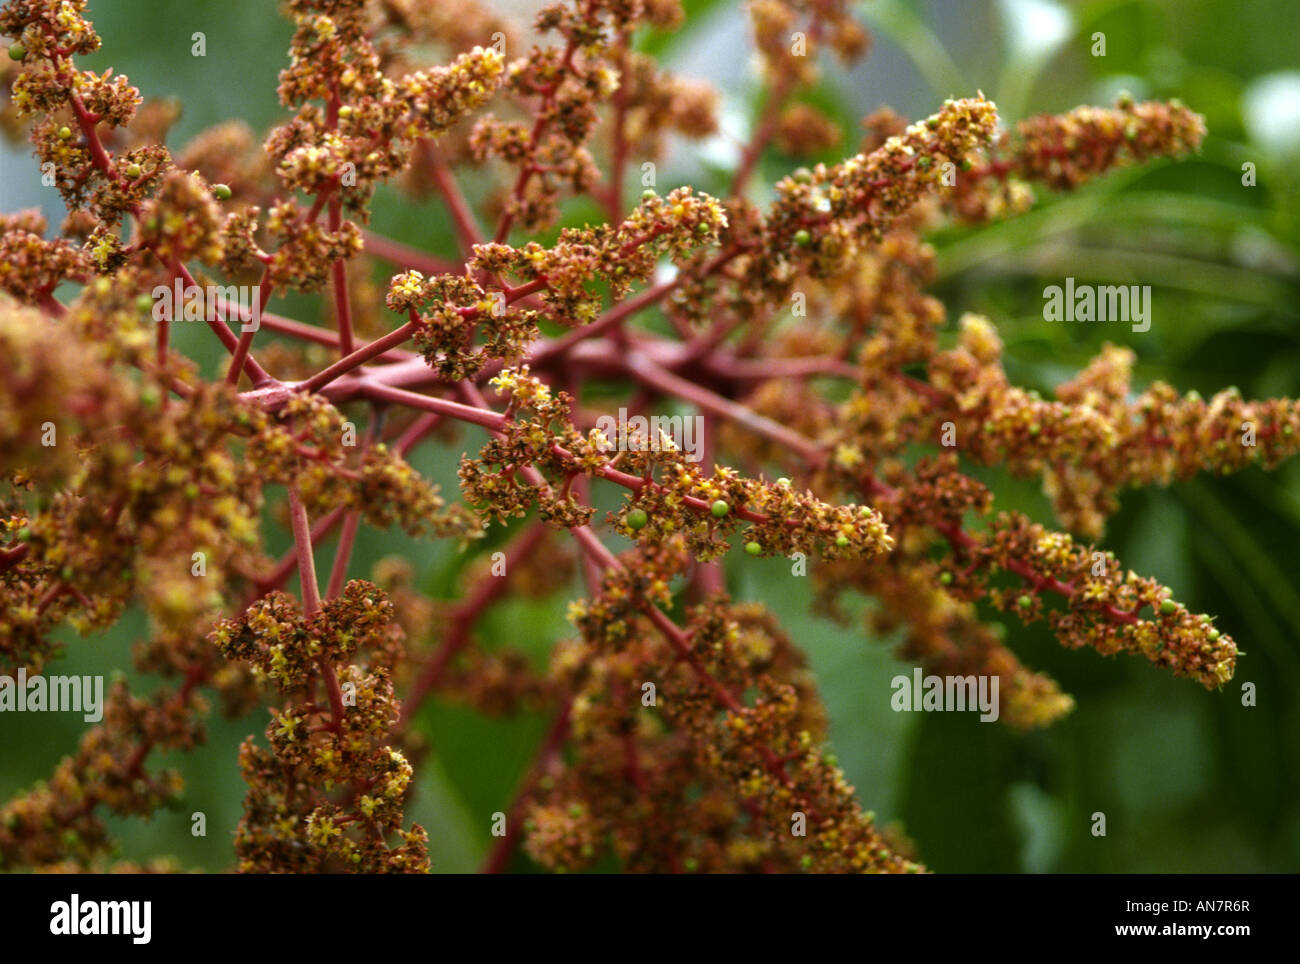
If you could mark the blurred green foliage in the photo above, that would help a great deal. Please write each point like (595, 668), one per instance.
(1189, 780)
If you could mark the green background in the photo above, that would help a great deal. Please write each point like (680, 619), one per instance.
(1189, 780)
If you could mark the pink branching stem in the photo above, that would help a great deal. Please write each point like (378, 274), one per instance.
(424, 423)
(347, 538)
(618, 136)
(487, 591)
(467, 230)
(766, 128)
(240, 361)
(339, 269)
(87, 124)
(335, 691)
(339, 275)
(284, 568)
(499, 858)
(303, 549)
(707, 578)
(524, 290)
(163, 331)
(935, 396)
(680, 641)
(653, 375)
(360, 356)
(466, 413)
(12, 556)
(959, 538)
(462, 620)
(311, 602)
(99, 157)
(195, 674)
(318, 335)
(227, 337)
(405, 256)
(593, 547)
(611, 319)
(52, 592)
(761, 369)
(605, 559)
(326, 196)
(239, 357)
(592, 571)
(51, 305)
(496, 422)
(543, 120)
(394, 338)
(762, 134)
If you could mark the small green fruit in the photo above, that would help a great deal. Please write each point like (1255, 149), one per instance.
(637, 519)
(1212, 635)
(1024, 602)
(802, 238)
(65, 133)
(1168, 607)
(783, 481)
(17, 51)
(841, 541)
(221, 192)
(945, 578)
(648, 195)
(719, 509)
(753, 548)
(133, 171)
